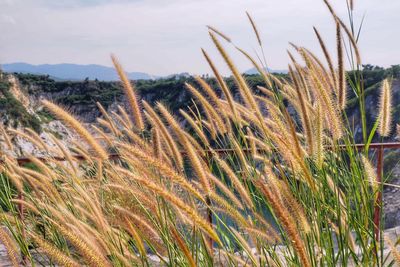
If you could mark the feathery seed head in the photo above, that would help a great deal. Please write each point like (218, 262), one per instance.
(385, 109)
(130, 94)
(370, 173)
(77, 126)
(253, 24)
(226, 38)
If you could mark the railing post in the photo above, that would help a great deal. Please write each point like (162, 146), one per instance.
(209, 211)
(378, 201)
(210, 221)
(21, 218)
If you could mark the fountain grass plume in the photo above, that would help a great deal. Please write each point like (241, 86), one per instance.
(349, 34)
(89, 253)
(221, 34)
(161, 166)
(196, 162)
(395, 252)
(213, 114)
(156, 142)
(130, 94)
(327, 56)
(253, 24)
(244, 88)
(53, 252)
(287, 221)
(138, 240)
(10, 246)
(125, 115)
(156, 121)
(77, 126)
(107, 117)
(244, 194)
(195, 127)
(182, 245)
(222, 84)
(370, 173)
(342, 90)
(385, 109)
(169, 196)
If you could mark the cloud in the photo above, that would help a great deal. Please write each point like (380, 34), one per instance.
(8, 19)
(9, 2)
(80, 3)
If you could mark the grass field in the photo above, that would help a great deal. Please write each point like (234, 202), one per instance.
(271, 179)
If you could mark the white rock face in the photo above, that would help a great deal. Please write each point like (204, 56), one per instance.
(391, 199)
(23, 147)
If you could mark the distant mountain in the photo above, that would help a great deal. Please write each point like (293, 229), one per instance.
(254, 71)
(74, 71)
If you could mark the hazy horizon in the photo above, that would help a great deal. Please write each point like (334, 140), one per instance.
(164, 37)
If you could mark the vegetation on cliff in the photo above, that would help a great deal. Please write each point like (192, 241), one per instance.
(12, 111)
(171, 91)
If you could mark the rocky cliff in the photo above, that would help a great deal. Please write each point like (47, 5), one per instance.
(20, 110)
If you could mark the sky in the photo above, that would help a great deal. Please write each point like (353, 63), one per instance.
(162, 37)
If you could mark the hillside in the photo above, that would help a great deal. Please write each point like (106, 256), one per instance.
(81, 96)
(22, 106)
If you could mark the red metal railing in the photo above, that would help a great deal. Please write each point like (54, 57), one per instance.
(372, 146)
